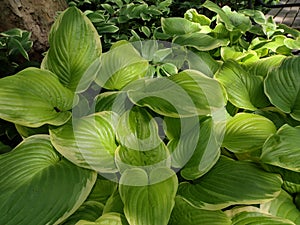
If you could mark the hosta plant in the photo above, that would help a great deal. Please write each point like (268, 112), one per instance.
(150, 133)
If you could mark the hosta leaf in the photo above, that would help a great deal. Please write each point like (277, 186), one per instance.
(182, 95)
(102, 190)
(200, 41)
(89, 210)
(232, 20)
(74, 47)
(203, 62)
(255, 216)
(291, 179)
(247, 132)
(194, 16)
(148, 199)
(244, 90)
(246, 57)
(174, 128)
(197, 150)
(108, 218)
(231, 182)
(184, 213)
(114, 204)
(146, 159)
(38, 186)
(178, 26)
(138, 130)
(264, 65)
(28, 131)
(116, 101)
(120, 66)
(221, 14)
(284, 207)
(207, 151)
(292, 43)
(283, 148)
(88, 142)
(238, 20)
(34, 97)
(282, 86)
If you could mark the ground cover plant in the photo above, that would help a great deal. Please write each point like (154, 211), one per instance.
(199, 127)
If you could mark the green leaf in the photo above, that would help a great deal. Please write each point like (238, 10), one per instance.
(116, 101)
(88, 142)
(292, 43)
(120, 66)
(283, 206)
(200, 41)
(182, 95)
(238, 20)
(283, 148)
(193, 16)
(28, 131)
(108, 218)
(245, 57)
(16, 45)
(263, 66)
(114, 204)
(255, 216)
(282, 86)
(89, 210)
(232, 20)
(38, 186)
(179, 26)
(184, 213)
(74, 47)
(138, 130)
(148, 199)
(247, 132)
(291, 179)
(244, 90)
(145, 159)
(203, 62)
(34, 97)
(229, 183)
(4, 148)
(102, 189)
(207, 151)
(221, 14)
(107, 29)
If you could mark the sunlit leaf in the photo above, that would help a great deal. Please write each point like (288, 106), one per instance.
(34, 97)
(263, 66)
(74, 47)
(182, 95)
(148, 199)
(120, 66)
(247, 132)
(88, 142)
(244, 90)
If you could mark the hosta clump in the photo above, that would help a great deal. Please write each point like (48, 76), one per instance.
(148, 133)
